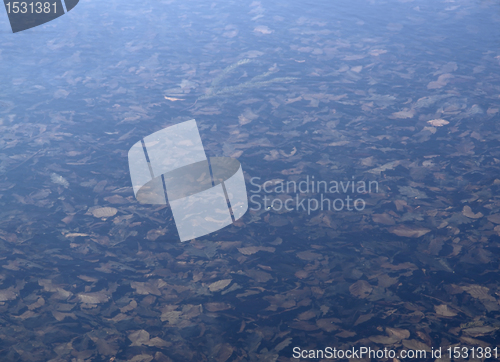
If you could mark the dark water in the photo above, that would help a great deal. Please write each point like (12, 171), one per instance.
(402, 94)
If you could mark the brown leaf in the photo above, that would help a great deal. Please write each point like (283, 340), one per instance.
(155, 234)
(363, 318)
(361, 289)
(219, 285)
(402, 266)
(479, 331)
(283, 344)
(338, 143)
(345, 334)
(416, 345)
(59, 316)
(172, 316)
(141, 358)
(444, 311)
(244, 120)
(383, 339)
(384, 280)
(308, 255)
(9, 237)
(327, 325)
(388, 166)
(26, 315)
(407, 113)
(377, 52)
(259, 275)
(262, 29)
(139, 338)
(249, 250)
(94, 298)
(224, 352)
(247, 116)
(474, 342)
(292, 152)
(384, 218)
(409, 232)
(494, 218)
(216, 306)
(40, 302)
(304, 316)
(158, 343)
(438, 122)
(440, 82)
(301, 274)
(398, 333)
(100, 186)
(104, 212)
(116, 199)
(131, 306)
(479, 292)
(467, 211)
(149, 287)
(400, 204)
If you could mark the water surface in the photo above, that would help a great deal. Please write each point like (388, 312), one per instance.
(402, 93)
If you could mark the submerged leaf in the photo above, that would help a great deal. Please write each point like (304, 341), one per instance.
(361, 289)
(409, 232)
(444, 311)
(219, 285)
(467, 211)
(104, 212)
(438, 122)
(249, 250)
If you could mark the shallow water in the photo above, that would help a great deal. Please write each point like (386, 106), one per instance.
(401, 94)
